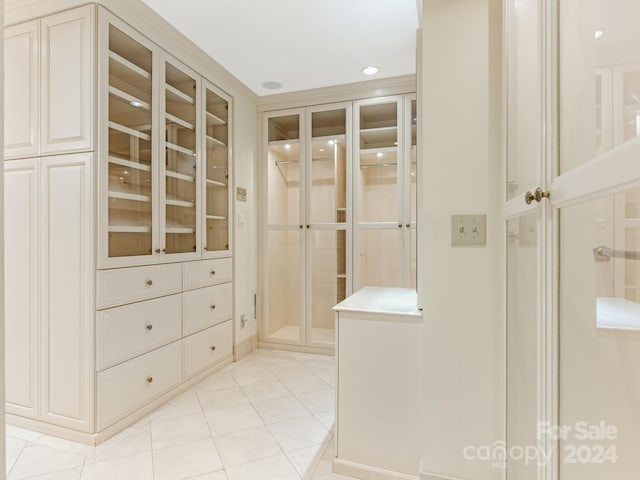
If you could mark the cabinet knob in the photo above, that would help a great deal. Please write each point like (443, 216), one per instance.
(399, 225)
(149, 379)
(158, 250)
(213, 272)
(149, 327)
(213, 307)
(408, 225)
(213, 348)
(149, 283)
(164, 250)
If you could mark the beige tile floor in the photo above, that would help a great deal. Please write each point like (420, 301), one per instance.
(269, 416)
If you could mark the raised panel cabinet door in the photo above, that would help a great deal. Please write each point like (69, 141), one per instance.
(22, 331)
(67, 287)
(68, 81)
(21, 75)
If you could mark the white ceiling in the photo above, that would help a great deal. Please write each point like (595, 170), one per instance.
(301, 44)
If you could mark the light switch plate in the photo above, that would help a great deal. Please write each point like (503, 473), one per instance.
(468, 230)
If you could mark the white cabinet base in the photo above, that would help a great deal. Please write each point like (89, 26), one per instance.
(97, 438)
(358, 470)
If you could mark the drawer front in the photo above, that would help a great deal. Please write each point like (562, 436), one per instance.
(205, 349)
(207, 272)
(206, 307)
(124, 388)
(128, 285)
(125, 332)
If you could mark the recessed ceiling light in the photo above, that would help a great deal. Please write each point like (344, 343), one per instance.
(272, 85)
(287, 146)
(599, 33)
(371, 70)
(135, 103)
(331, 142)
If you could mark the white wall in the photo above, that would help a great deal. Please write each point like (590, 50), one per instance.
(245, 155)
(459, 288)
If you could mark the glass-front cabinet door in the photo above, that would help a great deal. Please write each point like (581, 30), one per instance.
(283, 274)
(384, 191)
(180, 190)
(328, 258)
(216, 173)
(128, 140)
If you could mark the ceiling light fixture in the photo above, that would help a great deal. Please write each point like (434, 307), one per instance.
(287, 146)
(331, 142)
(272, 85)
(379, 154)
(136, 103)
(599, 34)
(370, 70)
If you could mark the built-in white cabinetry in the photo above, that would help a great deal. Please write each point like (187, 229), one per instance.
(110, 314)
(49, 278)
(49, 84)
(306, 267)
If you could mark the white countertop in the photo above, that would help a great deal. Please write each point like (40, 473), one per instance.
(385, 300)
(617, 313)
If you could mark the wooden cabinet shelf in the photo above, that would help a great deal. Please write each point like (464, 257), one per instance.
(178, 121)
(175, 95)
(180, 176)
(129, 131)
(213, 119)
(215, 183)
(215, 141)
(133, 101)
(129, 164)
(120, 64)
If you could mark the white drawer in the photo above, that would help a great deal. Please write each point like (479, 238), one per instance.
(124, 388)
(128, 285)
(207, 272)
(125, 332)
(206, 307)
(205, 349)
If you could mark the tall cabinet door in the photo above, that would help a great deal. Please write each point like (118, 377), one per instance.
(67, 288)
(21, 83)
(409, 191)
(284, 232)
(180, 145)
(216, 172)
(22, 331)
(327, 226)
(128, 180)
(378, 194)
(68, 81)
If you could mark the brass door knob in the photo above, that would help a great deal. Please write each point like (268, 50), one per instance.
(537, 195)
(213, 272)
(149, 327)
(213, 307)
(213, 348)
(149, 379)
(149, 283)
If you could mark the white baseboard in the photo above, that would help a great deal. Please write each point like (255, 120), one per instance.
(367, 472)
(245, 347)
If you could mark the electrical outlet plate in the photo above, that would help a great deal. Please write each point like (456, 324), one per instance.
(468, 230)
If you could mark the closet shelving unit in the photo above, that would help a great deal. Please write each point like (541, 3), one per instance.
(130, 185)
(385, 179)
(181, 153)
(216, 176)
(306, 258)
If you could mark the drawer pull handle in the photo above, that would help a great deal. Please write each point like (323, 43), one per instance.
(149, 327)
(213, 348)
(213, 307)
(149, 379)
(213, 272)
(149, 283)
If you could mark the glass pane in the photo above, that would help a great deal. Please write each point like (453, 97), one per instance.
(328, 269)
(378, 162)
(216, 168)
(180, 161)
(413, 159)
(522, 314)
(414, 259)
(523, 92)
(285, 290)
(599, 78)
(328, 195)
(129, 146)
(600, 334)
(378, 252)
(283, 170)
